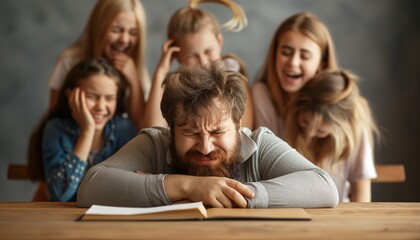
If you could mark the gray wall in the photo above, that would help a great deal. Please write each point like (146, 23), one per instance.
(377, 39)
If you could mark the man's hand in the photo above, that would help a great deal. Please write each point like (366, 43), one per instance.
(212, 191)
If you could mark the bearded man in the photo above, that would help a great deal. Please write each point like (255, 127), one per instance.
(205, 155)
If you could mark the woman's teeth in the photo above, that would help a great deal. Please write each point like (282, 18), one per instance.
(119, 48)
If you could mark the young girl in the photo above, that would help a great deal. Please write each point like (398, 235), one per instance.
(83, 129)
(331, 124)
(116, 30)
(301, 47)
(194, 37)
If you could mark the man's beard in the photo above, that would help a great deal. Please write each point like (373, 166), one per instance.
(226, 166)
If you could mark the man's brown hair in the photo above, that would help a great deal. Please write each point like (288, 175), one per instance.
(192, 91)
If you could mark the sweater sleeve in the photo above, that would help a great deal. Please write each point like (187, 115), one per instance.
(115, 181)
(287, 179)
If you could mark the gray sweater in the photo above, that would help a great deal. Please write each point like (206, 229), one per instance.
(277, 173)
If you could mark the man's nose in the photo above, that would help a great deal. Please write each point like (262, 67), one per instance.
(205, 145)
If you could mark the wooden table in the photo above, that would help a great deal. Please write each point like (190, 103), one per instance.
(347, 221)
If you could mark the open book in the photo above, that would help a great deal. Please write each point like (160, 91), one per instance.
(191, 211)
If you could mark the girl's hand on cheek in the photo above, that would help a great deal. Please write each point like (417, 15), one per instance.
(80, 111)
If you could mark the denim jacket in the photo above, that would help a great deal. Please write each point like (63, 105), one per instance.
(63, 169)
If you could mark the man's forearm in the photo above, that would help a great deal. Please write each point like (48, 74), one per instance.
(212, 191)
(110, 186)
(176, 187)
(313, 188)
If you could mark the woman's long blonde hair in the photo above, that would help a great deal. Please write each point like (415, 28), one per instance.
(191, 19)
(91, 42)
(333, 98)
(311, 27)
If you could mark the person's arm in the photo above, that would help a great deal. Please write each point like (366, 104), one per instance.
(135, 176)
(63, 168)
(153, 115)
(248, 117)
(360, 191)
(125, 64)
(361, 170)
(212, 191)
(81, 114)
(115, 181)
(265, 114)
(287, 178)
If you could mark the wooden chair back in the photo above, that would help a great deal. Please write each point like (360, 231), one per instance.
(17, 172)
(389, 173)
(20, 172)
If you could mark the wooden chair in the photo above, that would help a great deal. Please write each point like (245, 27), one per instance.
(20, 172)
(389, 173)
(17, 172)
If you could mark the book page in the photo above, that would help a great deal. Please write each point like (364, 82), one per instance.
(109, 210)
(190, 211)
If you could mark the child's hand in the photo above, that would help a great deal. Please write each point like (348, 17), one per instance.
(125, 64)
(166, 59)
(79, 110)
